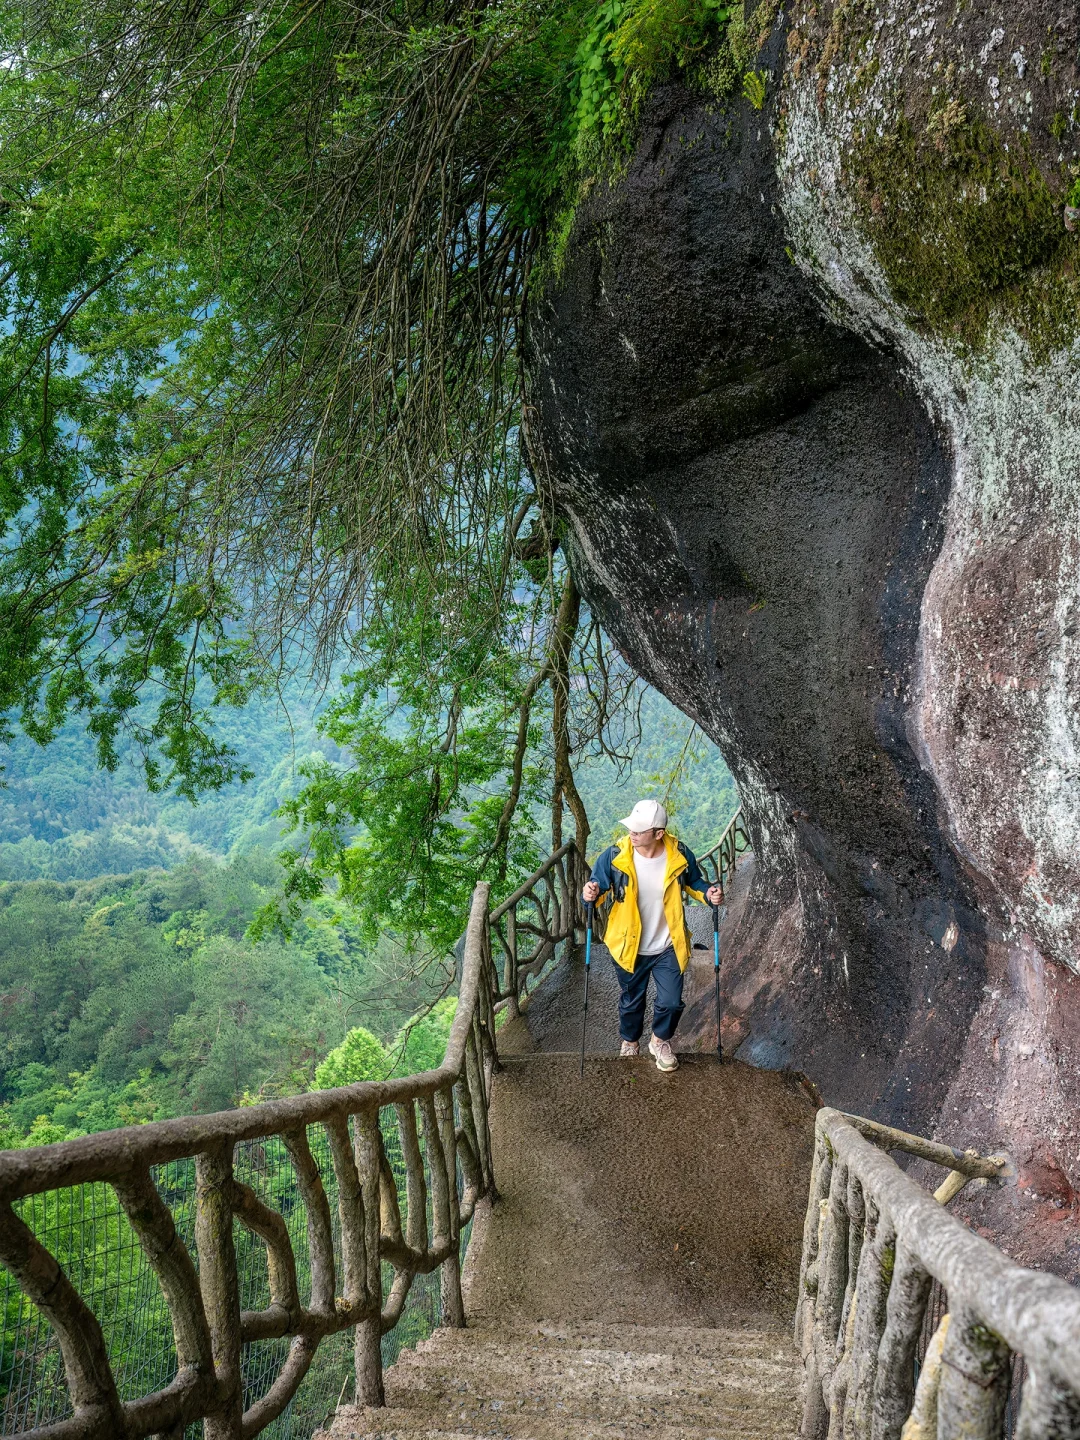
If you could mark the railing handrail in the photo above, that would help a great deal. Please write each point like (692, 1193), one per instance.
(1025, 1307)
(209, 1326)
(968, 1162)
(724, 855)
(727, 828)
(873, 1243)
(526, 885)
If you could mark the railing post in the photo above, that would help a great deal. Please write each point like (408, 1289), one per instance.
(820, 1177)
(842, 1374)
(350, 1212)
(415, 1184)
(453, 1309)
(1047, 1410)
(974, 1381)
(219, 1286)
(875, 1276)
(894, 1382)
(833, 1264)
(368, 1347)
(512, 1007)
(474, 1086)
(831, 1288)
(922, 1423)
(807, 1320)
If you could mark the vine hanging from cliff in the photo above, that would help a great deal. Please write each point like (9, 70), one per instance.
(266, 270)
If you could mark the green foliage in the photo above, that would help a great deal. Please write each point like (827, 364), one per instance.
(262, 324)
(410, 819)
(754, 87)
(600, 73)
(187, 492)
(728, 68)
(658, 38)
(135, 998)
(182, 475)
(422, 1041)
(630, 45)
(63, 818)
(360, 1056)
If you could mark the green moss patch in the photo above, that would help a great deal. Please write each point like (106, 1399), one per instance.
(966, 229)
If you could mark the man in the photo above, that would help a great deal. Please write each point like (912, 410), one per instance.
(646, 929)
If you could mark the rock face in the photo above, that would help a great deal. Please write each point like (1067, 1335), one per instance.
(809, 388)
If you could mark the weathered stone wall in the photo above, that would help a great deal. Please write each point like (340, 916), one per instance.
(810, 391)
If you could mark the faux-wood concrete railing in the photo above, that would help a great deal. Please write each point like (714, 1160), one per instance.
(442, 1131)
(874, 1245)
(718, 864)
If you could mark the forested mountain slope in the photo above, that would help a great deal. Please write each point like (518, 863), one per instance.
(136, 996)
(139, 997)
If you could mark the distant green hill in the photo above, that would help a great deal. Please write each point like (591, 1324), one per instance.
(137, 997)
(63, 818)
(130, 988)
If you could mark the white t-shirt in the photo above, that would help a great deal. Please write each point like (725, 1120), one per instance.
(655, 934)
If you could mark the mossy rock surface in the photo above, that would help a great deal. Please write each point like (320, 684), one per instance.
(965, 228)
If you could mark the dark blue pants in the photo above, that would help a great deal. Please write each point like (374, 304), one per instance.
(667, 996)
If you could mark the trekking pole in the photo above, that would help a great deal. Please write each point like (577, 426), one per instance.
(588, 959)
(716, 971)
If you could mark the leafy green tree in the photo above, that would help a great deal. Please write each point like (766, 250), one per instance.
(158, 1004)
(438, 770)
(360, 1056)
(421, 1043)
(266, 305)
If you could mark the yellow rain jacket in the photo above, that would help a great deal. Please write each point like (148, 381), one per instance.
(614, 872)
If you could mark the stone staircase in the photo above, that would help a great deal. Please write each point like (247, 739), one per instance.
(636, 1276)
(601, 1382)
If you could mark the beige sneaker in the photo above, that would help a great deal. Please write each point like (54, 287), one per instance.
(629, 1050)
(663, 1054)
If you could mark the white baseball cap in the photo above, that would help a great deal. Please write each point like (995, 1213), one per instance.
(646, 815)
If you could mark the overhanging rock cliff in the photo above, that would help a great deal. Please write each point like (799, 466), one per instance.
(809, 390)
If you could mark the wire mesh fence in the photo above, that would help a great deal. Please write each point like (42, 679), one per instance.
(85, 1228)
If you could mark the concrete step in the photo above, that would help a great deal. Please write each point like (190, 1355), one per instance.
(391, 1424)
(598, 1382)
(658, 1339)
(696, 1406)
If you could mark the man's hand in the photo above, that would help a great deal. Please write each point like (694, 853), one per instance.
(715, 895)
(590, 892)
